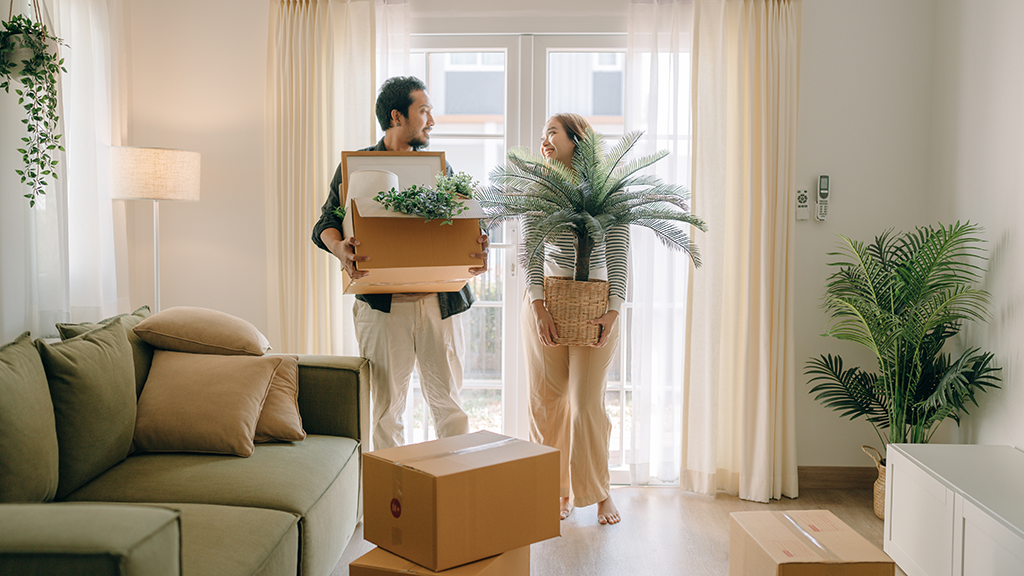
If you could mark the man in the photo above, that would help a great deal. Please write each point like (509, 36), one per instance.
(398, 331)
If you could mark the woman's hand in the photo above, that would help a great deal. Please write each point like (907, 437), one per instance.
(545, 324)
(607, 323)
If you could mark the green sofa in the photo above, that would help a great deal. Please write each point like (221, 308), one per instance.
(288, 509)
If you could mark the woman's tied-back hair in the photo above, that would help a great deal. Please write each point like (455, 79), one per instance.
(576, 126)
(396, 94)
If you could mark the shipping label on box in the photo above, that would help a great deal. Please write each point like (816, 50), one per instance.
(457, 500)
(407, 253)
(801, 543)
(379, 562)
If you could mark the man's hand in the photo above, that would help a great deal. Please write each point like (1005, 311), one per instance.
(344, 250)
(482, 255)
(607, 323)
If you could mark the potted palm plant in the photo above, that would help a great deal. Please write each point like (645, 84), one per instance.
(602, 189)
(902, 297)
(29, 56)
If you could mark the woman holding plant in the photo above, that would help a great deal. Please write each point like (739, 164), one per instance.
(567, 383)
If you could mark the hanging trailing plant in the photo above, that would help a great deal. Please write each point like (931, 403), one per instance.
(29, 56)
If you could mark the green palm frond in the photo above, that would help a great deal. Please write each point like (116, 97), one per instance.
(903, 296)
(602, 190)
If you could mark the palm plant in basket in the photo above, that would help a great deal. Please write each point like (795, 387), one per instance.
(601, 190)
(902, 297)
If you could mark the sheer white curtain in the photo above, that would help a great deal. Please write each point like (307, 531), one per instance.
(93, 120)
(739, 433)
(64, 260)
(658, 102)
(322, 81)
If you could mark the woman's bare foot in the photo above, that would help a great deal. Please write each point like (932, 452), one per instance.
(565, 508)
(607, 513)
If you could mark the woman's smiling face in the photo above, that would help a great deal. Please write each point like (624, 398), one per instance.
(556, 144)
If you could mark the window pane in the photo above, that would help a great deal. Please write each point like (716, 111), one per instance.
(475, 156)
(465, 84)
(590, 84)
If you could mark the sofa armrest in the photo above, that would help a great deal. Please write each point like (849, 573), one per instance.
(66, 538)
(334, 396)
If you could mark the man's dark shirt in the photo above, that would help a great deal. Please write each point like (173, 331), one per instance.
(451, 302)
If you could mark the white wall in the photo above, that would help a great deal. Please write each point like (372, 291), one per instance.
(865, 120)
(978, 159)
(198, 82)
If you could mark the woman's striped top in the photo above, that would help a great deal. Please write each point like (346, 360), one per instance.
(609, 261)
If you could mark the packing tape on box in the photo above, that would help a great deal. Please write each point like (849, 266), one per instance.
(805, 537)
(458, 451)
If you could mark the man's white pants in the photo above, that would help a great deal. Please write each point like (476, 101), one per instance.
(395, 342)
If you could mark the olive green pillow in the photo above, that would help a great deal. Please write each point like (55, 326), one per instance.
(92, 385)
(142, 352)
(28, 436)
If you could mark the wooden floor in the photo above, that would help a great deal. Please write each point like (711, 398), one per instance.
(664, 531)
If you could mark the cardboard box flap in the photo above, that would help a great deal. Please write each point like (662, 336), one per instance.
(370, 208)
(808, 536)
(453, 455)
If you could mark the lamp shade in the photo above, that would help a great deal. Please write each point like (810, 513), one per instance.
(154, 174)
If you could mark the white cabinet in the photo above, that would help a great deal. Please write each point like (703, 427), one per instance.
(955, 510)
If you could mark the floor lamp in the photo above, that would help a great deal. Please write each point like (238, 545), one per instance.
(155, 174)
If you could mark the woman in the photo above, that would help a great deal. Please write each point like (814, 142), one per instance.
(567, 383)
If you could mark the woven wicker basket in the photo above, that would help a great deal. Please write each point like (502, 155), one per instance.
(573, 305)
(879, 492)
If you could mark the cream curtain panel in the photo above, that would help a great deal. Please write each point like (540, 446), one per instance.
(739, 431)
(320, 94)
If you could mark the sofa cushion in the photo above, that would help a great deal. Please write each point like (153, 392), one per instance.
(289, 477)
(202, 331)
(237, 540)
(280, 420)
(142, 352)
(203, 402)
(28, 435)
(92, 384)
(95, 539)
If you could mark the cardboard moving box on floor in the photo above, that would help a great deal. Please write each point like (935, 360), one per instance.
(457, 500)
(380, 562)
(801, 543)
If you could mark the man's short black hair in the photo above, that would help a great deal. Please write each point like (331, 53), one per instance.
(396, 94)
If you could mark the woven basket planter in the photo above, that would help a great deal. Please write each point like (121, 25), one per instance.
(573, 305)
(879, 491)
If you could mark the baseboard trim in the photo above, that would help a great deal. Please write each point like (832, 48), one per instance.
(837, 477)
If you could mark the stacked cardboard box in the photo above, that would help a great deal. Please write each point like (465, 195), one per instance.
(460, 500)
(801, 543)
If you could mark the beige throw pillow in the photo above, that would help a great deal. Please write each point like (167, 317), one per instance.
(202, 331)
(280, 421)
(203, 402)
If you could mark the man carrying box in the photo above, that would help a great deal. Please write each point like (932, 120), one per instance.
(397, 331)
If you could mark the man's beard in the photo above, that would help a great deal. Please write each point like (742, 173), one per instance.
(420, 141)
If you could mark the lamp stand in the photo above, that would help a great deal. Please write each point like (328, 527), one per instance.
(156, 255)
